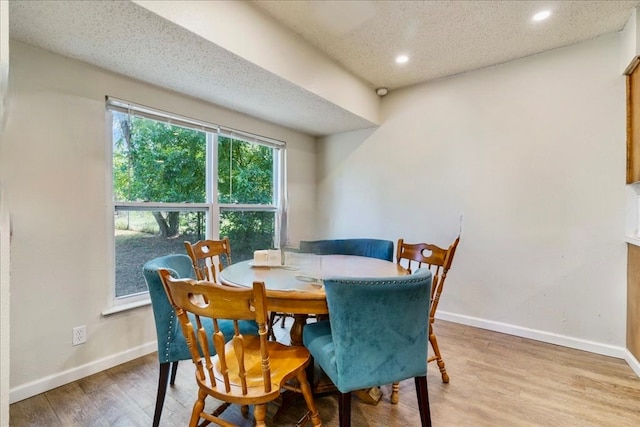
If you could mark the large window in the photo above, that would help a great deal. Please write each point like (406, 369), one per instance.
(176, 179)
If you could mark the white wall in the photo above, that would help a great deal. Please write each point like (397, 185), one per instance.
(54, 167)
(533, 153)
(629, 39)
(4, 227)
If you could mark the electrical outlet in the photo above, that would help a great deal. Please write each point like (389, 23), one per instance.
(79, 335)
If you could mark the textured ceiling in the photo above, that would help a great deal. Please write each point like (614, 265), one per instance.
(441, 37)
(125, 38)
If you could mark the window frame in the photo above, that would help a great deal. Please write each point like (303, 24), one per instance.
(212, 207)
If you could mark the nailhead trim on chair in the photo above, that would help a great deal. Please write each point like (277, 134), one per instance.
(384, 282)
(166, 354)
(171, 319)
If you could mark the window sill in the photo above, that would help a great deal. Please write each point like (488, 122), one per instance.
(128, 306)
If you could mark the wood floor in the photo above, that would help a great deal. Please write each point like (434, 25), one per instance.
(496, 380)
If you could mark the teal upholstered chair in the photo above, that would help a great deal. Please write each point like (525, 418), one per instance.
(372, 248)
(377, 333)
(172, 346)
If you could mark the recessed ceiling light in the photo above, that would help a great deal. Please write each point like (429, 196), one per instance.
(541, 16)
(402, 59)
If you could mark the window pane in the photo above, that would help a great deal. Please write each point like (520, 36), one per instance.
(245, 172)
(247, 232)
(158, 162)
(143, 235)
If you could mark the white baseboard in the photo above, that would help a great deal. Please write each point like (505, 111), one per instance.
(563, 340)
(33, 388)
(633, 362)
(45, 384)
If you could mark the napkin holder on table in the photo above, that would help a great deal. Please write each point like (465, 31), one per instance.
(267, 258)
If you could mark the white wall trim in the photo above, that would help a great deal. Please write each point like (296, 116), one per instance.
(551, 338)
(25, 391)
(48, 383)
(633, 362)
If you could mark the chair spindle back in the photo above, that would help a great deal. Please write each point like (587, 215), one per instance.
(194, 300)
(209, 256)
(430, 256)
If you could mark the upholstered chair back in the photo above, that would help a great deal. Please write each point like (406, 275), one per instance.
(385, 338)
(376, 334)
(372, 248)
(171, 343)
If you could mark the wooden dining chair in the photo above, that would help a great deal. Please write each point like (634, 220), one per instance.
(209, 257)
(172, 347)
(247, 370)
(438, 260)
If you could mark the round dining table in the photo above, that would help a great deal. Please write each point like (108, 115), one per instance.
(297, 286)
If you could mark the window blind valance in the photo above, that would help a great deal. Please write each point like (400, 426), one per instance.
(114, 104)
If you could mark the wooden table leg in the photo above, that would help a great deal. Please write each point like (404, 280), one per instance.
(299, 320)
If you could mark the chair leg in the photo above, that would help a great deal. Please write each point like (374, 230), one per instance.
(344, 409)
(162, 390)
(308, 397)
(174, 371)
(198, 407)
(310, 372)
(438, 357)
(395, 391)
(272, 320)
(422, 392)
(283, 318)
(260, 414)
